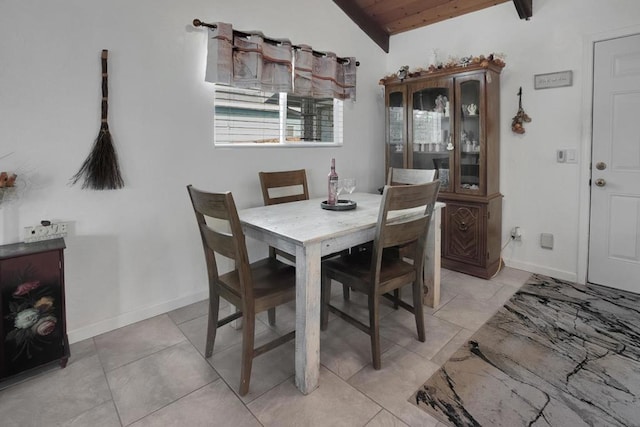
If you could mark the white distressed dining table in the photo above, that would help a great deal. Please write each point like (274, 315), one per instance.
(309, 232)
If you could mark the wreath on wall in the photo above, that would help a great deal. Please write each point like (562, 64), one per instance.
(518, 121)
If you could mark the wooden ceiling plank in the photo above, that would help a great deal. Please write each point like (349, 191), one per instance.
(364, 4)
(441, 13)
(430, 15)
(385, 8)
(364, 21)
(405, 9)
(453, 5)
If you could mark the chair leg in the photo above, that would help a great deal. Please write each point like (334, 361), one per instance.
(212, 324)
(396, 294)
(272, 316)
(325, 296)
(345, 292)
(418, 310)
(248, 335)
(374, 331)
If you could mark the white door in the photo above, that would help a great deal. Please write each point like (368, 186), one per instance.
(614, 239)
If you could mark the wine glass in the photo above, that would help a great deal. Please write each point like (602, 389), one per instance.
(339, 189)
(349, 185)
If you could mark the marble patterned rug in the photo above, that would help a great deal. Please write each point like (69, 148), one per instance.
(556, 354)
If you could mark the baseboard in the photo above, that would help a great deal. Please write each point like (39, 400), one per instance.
(125, 319)
(551, 272)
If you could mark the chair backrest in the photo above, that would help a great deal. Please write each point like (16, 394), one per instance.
(221, 233)
(399, 176)
(284, 186)
(403, 222)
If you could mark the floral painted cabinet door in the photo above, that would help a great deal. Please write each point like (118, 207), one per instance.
(32, 313)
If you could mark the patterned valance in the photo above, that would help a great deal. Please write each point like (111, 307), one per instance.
(248, 59)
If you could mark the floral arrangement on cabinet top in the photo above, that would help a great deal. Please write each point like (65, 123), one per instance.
(495, 59)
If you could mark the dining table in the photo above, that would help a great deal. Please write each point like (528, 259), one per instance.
(309, 232)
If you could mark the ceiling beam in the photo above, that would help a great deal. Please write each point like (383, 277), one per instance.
(524, 8)
(366, 24)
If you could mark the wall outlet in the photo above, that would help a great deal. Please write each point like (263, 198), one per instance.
(546, 240)
(516, 234)
(45, 232)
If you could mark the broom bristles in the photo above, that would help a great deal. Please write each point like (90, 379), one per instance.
(100, 170)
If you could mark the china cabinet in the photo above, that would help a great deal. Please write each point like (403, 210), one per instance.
(448, 120)
(32, 310)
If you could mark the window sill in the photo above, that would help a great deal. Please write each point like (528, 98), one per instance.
(279, 145)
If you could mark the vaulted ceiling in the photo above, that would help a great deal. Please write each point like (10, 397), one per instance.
(383, 18)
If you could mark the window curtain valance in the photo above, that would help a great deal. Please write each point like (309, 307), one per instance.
(248, 59)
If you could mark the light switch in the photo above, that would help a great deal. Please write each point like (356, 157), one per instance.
(546, 240)
(566, 156)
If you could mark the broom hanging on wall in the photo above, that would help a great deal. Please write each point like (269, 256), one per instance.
(100, 170)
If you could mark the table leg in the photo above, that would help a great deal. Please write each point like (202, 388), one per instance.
(307, 317)
(236, 324)
(431, 296)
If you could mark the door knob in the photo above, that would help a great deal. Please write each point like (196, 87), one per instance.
(600, 182)
(601, 166)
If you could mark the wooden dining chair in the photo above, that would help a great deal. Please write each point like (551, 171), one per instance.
(403, 221)
(398, 176)
(251, 287)
(283, 187)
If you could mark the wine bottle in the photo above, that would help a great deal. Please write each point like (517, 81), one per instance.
(333, 184)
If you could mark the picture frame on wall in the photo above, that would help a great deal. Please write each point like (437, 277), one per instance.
(553, 80)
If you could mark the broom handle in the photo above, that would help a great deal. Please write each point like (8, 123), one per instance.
(105, 90)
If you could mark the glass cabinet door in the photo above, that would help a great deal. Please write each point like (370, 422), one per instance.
(431, 146)
(396, 128)
(471, 139)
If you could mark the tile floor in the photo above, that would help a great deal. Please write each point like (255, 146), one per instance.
(153, 373)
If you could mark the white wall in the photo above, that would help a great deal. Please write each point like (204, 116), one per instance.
(135, 252)
(540, 195)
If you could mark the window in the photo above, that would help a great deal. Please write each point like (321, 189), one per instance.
(253, 117)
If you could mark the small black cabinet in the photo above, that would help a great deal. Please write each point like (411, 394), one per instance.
(33, 328)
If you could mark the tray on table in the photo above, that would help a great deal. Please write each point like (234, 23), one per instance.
(342, 205)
